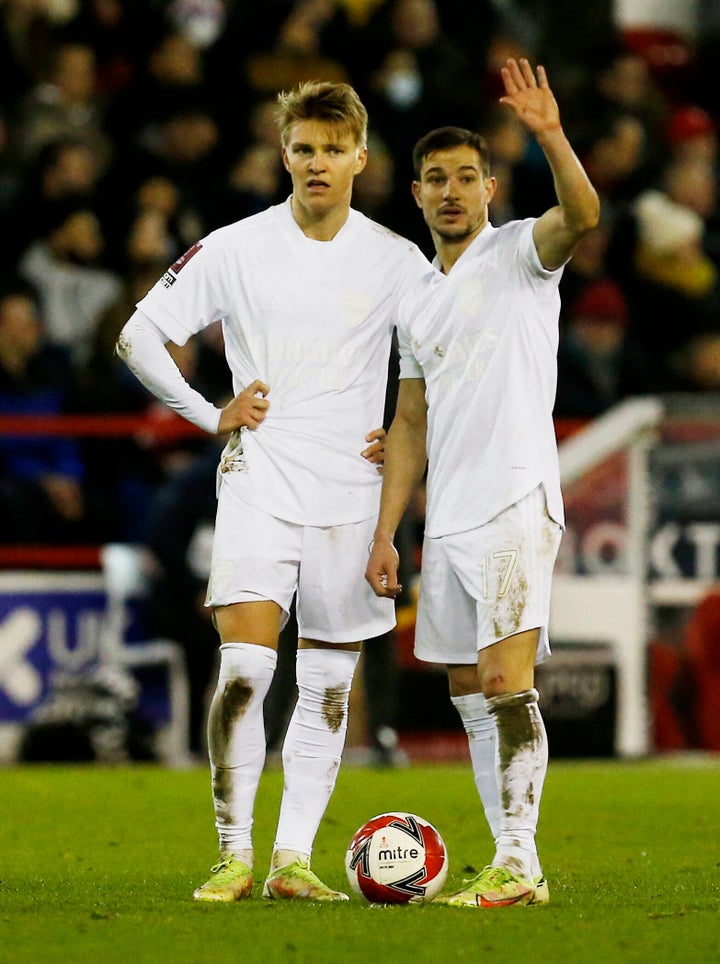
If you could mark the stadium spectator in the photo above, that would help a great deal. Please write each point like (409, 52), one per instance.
(588, 264)
(253, 177)
(22, 34)
(692, 132)
(183, 147)
(474, 371)
(43, 498)
(118, 33)
(694, 183)
(312, 39)
(252, 183)
(171, 76)
(64, 265)
(64, 169)
(625, 83)
(131, 469)
(598, 364)
(65, 103)
(378, 194)
(669, 276)
(617, 156)
(413, 73)
(307, 292)
(153, 224)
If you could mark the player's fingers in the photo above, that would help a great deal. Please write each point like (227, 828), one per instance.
(376, 451)
(377, 434)
(527, 72)
(542, 77)
(511, 87)
(379, 585)
(374, 454)
(390, 584)
(257, 387)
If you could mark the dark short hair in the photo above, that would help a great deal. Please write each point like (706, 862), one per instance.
(443, 138)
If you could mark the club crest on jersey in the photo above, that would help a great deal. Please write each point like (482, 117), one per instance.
(170, 276)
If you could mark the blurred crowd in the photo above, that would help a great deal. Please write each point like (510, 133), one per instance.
(128, 130)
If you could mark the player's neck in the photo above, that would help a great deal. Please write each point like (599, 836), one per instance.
(449, 253)
(450, 249)
(320, 225)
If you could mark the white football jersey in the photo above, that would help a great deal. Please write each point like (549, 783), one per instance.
(314, 321)
(485, 340)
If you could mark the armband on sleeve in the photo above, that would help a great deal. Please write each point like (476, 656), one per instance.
(141, 346)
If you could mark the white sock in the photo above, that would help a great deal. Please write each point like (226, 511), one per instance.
(313, 744)
(482, 742)
(522, 758)
(236, 741)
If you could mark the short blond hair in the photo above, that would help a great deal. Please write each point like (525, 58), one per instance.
(336, 104)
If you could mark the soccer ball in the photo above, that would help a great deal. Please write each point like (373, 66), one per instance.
(397, 858)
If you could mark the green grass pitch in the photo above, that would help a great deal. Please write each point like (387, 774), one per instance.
(99, 865)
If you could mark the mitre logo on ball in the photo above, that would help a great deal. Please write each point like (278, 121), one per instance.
(397, 858)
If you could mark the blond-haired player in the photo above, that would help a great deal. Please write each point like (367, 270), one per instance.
(307, 293)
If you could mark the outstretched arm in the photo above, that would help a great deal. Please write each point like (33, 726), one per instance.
(558, 230)
(405, 460)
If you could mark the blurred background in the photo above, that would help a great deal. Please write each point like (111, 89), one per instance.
(128, 130)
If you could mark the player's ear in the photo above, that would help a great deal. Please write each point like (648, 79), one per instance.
(361, 160)
(416, 192)
(284, 152)
(490, 187)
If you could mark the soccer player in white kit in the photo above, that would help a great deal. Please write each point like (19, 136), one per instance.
(478, 345)
(307, 293)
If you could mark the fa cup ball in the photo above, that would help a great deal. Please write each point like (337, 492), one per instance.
(397, 858)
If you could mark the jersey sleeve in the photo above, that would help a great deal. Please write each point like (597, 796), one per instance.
(542, 279)
(141, 347)
(189, 296)
(409, 365)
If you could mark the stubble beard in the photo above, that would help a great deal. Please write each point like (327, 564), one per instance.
(454, 235)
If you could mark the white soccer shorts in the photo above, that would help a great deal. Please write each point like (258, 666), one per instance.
(480, 586)
(256, 556)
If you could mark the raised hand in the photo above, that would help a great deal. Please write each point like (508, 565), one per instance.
(530, 96)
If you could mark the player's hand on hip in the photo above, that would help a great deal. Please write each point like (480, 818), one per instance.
(375, 452)
(530, 96)
(248, 409)
(382, 569)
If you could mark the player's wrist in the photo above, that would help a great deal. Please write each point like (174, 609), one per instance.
(552, 135)
(383, 539)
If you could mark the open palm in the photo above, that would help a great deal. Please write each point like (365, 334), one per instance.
(530, 96)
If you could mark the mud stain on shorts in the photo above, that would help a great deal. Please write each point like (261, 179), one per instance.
(509, 609)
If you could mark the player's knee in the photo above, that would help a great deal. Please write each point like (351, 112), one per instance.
(463, 680)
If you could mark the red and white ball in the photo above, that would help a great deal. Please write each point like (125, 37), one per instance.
(397, 858)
